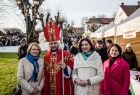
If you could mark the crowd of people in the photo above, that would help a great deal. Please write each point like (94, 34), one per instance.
(6, 41)
(88, 68)
(80, 66)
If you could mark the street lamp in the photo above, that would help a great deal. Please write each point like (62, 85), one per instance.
(30, 13)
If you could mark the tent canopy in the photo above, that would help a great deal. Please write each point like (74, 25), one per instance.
(129, 24)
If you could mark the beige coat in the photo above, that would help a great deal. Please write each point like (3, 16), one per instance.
(90, 69)
(24, 73)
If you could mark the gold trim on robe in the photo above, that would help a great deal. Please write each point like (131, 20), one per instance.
(53, 68)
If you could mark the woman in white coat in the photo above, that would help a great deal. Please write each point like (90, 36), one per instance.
(88, 70)
(30, 71)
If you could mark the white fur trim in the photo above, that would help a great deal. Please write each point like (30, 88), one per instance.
(69, 72)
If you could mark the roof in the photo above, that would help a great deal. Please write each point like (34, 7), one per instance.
(129, 9)
(78, 29)
(100, 20)
(135, 15)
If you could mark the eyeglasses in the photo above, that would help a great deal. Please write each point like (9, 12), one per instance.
(34, 49)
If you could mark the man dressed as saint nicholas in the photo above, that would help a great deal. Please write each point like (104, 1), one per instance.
(57, 73)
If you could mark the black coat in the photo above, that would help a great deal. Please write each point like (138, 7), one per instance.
(130, 58)
(22, 51)
(103, 53)
(74, 50)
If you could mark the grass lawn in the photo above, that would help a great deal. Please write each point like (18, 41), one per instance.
(8, 72)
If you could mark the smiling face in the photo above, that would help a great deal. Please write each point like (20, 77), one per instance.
(85, 46)
(114, 52)
(54, 46)
(34, 50)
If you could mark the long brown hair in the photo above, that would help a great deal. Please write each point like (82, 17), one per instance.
(118, 47)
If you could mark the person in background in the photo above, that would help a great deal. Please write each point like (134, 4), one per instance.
(104, 42)
(130, 57)
(65, 44)
(69, 42)
(31, 71)
(116, 74)
(101, 50)
(108, 44)
(22, 50)
(74, 49)
(88, 71)
(93, 42)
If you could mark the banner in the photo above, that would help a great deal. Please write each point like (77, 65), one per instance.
(129, 34)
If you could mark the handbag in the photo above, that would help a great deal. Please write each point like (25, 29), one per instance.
(18, 90)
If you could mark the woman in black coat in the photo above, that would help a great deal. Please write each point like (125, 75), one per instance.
(130, 57)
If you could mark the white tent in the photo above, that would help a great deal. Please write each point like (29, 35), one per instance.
(87, 33)
(104, 31)
(132, 24)
(132, 16)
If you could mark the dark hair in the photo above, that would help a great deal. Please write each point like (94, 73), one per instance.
(23, 41)
(100, 42)
(90, 43)
(109, 41)
(103, 39)
(118, 47)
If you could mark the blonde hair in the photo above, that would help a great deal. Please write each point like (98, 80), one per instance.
(31, 45)
(128, 45)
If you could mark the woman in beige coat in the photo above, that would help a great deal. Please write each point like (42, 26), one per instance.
(88, 70)
(31, 69)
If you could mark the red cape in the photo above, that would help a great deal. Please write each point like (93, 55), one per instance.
(53, 74)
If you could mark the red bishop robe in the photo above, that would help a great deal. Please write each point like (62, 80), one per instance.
(53, 74)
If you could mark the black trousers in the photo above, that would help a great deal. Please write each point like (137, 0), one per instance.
(129, 92)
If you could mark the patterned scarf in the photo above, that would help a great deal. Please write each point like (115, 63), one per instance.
(34, 61)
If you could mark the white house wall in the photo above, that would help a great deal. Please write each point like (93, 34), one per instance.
(120, 16)
(104, 31)
(133, 24)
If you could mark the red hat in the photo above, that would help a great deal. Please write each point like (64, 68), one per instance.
(52, 32)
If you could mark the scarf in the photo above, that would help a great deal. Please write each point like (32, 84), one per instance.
(86, 55)
(34, 61)
(112, 61)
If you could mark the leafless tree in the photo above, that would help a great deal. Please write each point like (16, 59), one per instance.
(84, 20)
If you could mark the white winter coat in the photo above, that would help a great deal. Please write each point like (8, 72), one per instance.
(90, 69)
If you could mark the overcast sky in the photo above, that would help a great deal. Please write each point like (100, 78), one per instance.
(75, 10)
